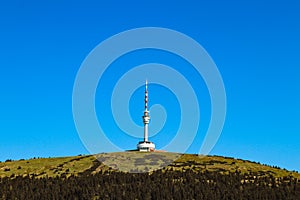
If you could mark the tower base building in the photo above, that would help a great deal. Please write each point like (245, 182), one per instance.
(146, 146)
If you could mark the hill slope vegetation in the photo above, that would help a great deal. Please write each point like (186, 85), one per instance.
(188, 177)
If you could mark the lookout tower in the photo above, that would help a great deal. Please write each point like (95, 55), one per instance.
(146, 145)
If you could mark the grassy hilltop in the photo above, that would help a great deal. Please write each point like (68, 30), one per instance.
(135, 162)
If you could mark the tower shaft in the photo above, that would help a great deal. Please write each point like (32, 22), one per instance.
(146, 133)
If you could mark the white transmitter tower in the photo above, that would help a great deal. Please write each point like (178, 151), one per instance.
(146, 145)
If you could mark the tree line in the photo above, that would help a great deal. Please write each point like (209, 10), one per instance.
(156, 185)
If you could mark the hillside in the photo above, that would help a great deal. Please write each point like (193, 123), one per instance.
(135, 162)
(188, 177)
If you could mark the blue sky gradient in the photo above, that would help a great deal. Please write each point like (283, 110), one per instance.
(255, 45)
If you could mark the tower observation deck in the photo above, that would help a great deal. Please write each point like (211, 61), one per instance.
(146, 145)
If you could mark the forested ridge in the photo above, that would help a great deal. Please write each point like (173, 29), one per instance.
(161, 184)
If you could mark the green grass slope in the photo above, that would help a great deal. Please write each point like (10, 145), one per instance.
(135, 162)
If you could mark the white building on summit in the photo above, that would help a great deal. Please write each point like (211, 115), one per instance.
(146, 145)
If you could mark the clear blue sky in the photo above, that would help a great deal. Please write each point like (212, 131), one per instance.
(255, 45)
